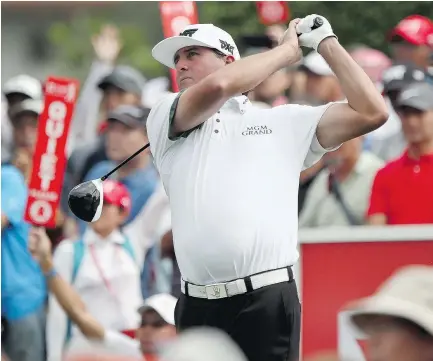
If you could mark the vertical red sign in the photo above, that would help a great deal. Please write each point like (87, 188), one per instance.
(49, 159)
(175, 16)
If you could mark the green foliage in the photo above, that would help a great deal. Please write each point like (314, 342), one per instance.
(361, 22)
(139, 23)
(72, 42)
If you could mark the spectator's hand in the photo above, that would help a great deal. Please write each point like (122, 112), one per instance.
(22, 159)
(312, 38)
(40, 245)
(290, 37)
(107, 44)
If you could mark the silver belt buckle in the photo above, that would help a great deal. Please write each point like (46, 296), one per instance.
(216, 291)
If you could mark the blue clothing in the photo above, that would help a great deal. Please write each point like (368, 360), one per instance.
(23, 285)
(141, 184)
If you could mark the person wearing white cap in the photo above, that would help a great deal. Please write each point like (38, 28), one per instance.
(398, 318)
(155, 331)
(14, 91)
(231, 172)
(322, 85)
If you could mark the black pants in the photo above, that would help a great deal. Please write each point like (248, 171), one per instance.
(265, 323)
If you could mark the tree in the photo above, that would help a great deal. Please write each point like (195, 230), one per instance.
(355, 22)
(73, 45)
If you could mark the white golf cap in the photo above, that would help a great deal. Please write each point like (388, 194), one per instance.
(23, 84)
(207, 35)
(163, 304)
(315, 63)
(407, 294)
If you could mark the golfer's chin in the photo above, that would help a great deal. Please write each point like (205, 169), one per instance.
(185, 83)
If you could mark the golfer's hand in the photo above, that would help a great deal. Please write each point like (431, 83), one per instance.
(290, 37)
(311, 38)
(40, 246)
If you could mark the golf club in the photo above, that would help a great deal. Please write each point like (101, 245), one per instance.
(86, 199)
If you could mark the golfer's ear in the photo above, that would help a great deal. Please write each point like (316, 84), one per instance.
(230, 59)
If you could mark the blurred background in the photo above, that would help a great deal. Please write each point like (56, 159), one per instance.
(50, 37)
(353, 210)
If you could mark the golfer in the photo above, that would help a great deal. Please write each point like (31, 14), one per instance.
(231, 172)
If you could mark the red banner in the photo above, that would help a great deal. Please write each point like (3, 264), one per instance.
(334, 274)
(273, 12)
(175, 16)
(49, 159)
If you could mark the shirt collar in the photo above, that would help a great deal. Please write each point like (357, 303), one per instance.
(427, 159)
(91, 237)
(239, 103)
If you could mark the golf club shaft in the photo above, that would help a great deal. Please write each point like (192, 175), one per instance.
(125, 161)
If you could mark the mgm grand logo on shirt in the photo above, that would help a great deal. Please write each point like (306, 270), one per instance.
(257, 130)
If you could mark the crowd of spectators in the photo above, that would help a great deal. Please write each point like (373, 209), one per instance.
(111, 266)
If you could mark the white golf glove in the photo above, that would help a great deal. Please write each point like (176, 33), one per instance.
(311, 38)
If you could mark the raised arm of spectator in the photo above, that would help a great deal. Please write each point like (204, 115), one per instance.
(68, 298)
(107, 46)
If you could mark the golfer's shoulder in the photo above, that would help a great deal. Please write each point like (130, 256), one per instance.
(162, 108)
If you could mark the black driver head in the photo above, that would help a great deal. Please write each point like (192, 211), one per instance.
(86, 200)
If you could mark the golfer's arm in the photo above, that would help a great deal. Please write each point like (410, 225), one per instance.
(366, 109)
(72, 304)
(202, 100)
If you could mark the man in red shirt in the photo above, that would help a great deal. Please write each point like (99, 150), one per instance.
(403, 190)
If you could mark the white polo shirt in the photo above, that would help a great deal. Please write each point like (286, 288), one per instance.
(233, 186)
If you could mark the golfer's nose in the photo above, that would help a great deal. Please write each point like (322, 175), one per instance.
(181, 65)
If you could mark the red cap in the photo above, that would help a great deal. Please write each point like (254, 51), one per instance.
(415, 29)
(117, 194)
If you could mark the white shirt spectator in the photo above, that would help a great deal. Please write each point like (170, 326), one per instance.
(108, 281)
(321, 208)
(233, 186)
(147, 228)
(118, 344)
